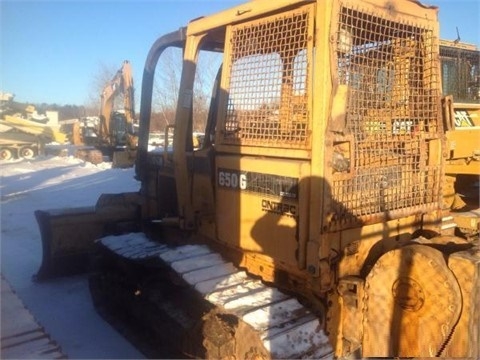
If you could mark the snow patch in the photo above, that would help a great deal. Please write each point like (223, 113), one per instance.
(62, 306)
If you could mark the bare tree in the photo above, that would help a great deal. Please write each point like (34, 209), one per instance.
(100, 79)
(167, 85)
(207, 68)
(166, 88)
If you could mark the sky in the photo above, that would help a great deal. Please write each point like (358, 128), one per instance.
(52, 50)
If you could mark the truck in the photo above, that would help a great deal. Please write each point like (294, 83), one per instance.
(23, 132)
(16, 144)
(114, 133)
(310, 222)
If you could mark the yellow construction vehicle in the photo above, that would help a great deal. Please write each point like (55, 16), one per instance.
(460, 67)
(23, 132)
(310, 221)
(114, 134)
(25, 138)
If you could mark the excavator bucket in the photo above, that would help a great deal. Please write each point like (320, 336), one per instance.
(68, 235)
(123, 159)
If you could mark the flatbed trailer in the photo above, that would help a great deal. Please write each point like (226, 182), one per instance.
(25, 138)
(14, 144)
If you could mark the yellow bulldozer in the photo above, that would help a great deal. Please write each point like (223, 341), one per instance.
(310, 222)
(460, 67)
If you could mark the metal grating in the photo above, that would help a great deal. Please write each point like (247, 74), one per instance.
(268, 83)
(391, 72)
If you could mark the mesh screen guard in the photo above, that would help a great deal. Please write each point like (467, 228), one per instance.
(268, 81)
(387, 164)
(391, 71)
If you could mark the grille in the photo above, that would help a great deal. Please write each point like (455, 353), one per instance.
(391, 72)
(268, 83)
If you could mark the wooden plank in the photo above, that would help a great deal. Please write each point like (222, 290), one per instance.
(21, 337)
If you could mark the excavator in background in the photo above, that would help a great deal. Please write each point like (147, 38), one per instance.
(460, 70)
(114, 134)
(310, 222)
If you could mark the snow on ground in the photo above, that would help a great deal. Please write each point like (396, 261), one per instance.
(62, 306)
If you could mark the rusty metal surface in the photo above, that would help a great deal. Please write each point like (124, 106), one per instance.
(389, 70)
(270, 108)
(408, 291)
(466, 338)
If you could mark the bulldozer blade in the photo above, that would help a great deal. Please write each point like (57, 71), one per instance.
(68, 235)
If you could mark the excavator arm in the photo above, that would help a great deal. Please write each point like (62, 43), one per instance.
(122, 83)
(115, 134)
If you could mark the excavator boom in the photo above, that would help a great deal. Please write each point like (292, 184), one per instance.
(122, 83)
(114, 135)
